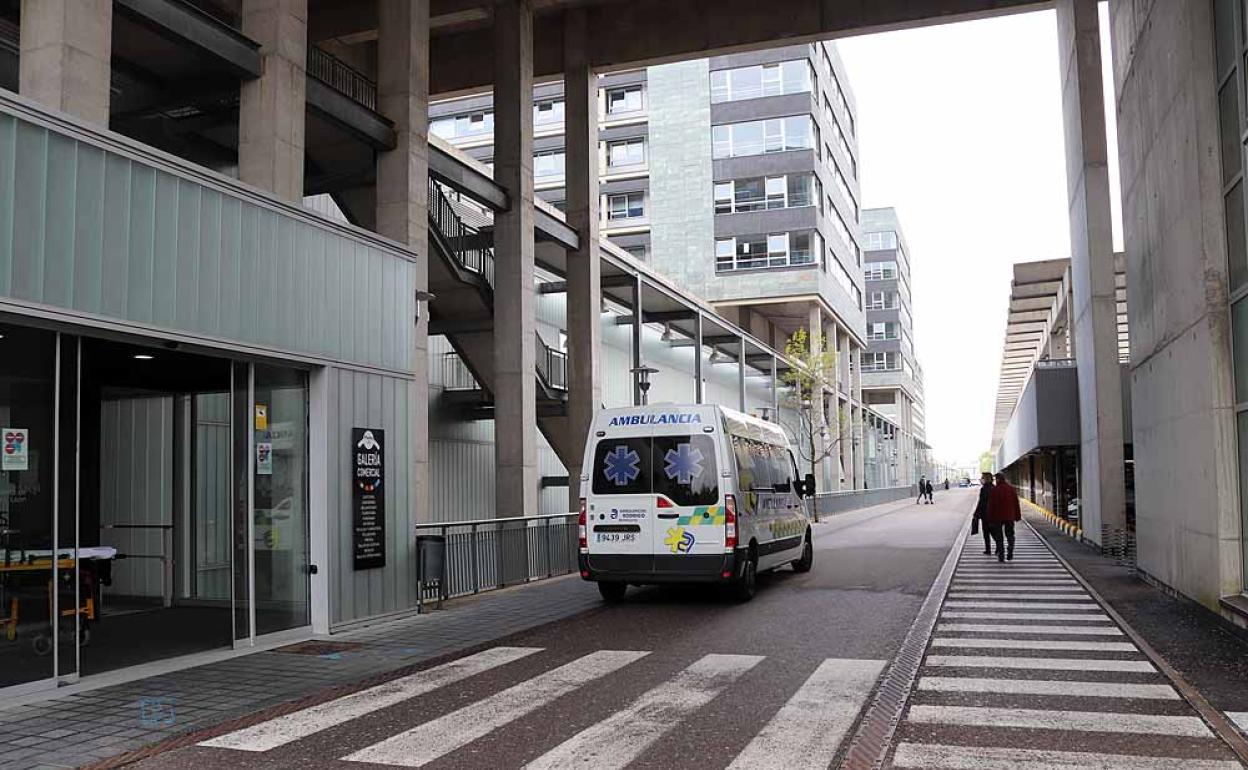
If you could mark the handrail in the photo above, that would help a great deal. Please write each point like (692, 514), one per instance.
(455, 373)
(552, 365)
(480, 522)
(342, 77)
(463, 242)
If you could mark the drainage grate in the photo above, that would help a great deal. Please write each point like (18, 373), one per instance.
(319, 648)
(871, 742)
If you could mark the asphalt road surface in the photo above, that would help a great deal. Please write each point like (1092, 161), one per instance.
(685, 678)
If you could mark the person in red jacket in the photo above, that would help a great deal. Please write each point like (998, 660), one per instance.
(1003, 511)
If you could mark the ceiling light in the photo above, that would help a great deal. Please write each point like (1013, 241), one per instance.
(143, 356)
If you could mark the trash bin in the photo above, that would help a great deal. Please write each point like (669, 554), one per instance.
(430, 559)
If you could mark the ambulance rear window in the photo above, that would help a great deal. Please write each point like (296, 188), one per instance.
(682, 468)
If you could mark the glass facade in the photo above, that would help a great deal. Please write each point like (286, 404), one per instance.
(1231, 56)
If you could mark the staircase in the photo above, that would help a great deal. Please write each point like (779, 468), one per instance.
(461, 276)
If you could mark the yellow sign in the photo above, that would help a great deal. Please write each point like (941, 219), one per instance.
(262, 417)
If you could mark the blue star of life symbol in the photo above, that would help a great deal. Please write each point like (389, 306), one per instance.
(684, 463)
(622, 465)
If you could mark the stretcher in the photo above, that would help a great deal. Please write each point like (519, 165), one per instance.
(27, 589)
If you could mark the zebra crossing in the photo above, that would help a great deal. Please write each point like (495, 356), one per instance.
(805, 732)
(1025, 670)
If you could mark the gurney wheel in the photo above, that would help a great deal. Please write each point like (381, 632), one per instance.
(41, 644)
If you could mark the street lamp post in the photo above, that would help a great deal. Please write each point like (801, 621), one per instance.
(642, 375)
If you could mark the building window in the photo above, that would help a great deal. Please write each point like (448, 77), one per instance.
(638, 252)
(623, 100)
(880, 241)
(790, 77)
(547, 112)
(626, 206)
(881, 362)
(474, 124)
(886, 330)
(760, 137)
(880, 271)
(884, 300)
(748, 252)
(626, 152)
(548, 165)
(772, 192)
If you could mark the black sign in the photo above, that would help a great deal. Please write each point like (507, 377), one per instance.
(368, 497)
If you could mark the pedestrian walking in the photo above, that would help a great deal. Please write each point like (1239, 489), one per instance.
(1003, 511)
(930, 501)
(980, 517)
(922, 489)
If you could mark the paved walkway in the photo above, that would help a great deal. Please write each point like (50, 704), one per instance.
(86, 727)
(1025, 669)
(69, 730)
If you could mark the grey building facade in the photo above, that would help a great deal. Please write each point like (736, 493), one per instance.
(892, 379)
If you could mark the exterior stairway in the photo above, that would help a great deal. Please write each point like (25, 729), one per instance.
(461, 277)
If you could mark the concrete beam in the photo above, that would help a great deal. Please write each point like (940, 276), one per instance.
(1103, 492)
(369, 127)
(584, 283)
(515, 445)
(272, 107)
(65, 57)
(186, 26)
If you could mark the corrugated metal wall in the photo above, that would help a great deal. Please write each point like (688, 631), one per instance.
(358, 399)
(212, 498)
(136, 488)
(99, 232)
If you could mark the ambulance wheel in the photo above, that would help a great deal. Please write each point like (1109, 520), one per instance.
(612, 592)
(807, 559)
(746, 585)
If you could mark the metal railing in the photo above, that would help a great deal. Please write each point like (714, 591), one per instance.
(342, 77)
(464, 243)
(552, 365)
(492, 553)
(1055, 363)
(456, 375)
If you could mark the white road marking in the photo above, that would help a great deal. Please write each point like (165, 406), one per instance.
(1009, 628)
(1033, 644)
(622, 737)
(999, 595)
(425, 743)
(1022, 572)
(1240, 718)
(989, 605)
(1048, 687)
(938, 757)
(1031, 588)
(807, 731)
(1039, 664)
(300, 724)
(1097, 617)
(1079, 721)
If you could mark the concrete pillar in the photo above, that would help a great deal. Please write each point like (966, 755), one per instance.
(584, 267)
(515, 394)
(271, 108)
(65, 60)
(699, 388)
(814, 333)
(855, 384)
(845, 415)
(833, 411)
(1094, 312)
(638, 314)
(403, 194)
(741, 394)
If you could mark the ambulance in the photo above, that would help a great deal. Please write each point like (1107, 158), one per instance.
(690, 493)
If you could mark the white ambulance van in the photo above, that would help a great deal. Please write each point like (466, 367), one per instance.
(689, 493)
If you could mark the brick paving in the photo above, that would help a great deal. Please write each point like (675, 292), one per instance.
(85, 727)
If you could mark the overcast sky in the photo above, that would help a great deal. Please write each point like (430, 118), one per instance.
(960, 129)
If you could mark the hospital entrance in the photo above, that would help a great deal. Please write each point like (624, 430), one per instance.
(153, 501)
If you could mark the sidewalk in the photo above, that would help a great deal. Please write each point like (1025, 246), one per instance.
(68, 730)
(86, 727)
(1200, 645)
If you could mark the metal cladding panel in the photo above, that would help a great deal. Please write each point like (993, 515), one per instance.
(1047, 415)
(94, 230)
(366, 400)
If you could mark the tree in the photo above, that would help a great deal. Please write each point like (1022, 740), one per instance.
(985, 462)
(814, 372)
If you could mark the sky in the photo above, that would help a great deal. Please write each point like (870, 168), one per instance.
(960, 129)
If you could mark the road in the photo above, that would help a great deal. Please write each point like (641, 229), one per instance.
(683, 677)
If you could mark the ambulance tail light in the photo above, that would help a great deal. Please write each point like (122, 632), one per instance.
(580, 528)
(730, 522)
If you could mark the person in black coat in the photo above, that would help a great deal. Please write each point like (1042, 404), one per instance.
(922, 489)
(981, 510)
